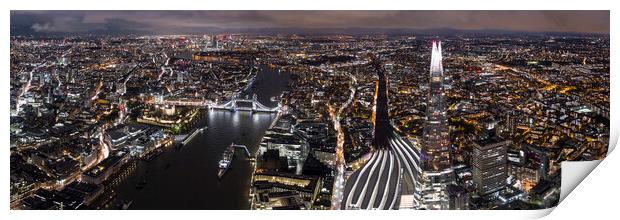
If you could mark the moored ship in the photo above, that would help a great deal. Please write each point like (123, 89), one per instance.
(226, 160)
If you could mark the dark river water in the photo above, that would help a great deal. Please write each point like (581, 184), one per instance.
(186, 178)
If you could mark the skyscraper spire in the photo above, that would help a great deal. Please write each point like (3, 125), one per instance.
(439, 51)
(437, 161)
(436, 66)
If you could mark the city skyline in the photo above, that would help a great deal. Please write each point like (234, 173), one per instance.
(282, 121)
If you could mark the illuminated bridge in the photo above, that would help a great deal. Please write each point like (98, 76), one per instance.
(235, 104)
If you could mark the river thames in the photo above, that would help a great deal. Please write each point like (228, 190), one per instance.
(186, 178)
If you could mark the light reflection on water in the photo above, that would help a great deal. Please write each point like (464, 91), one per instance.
(186, 178)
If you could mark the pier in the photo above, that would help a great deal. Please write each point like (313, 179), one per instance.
(247, 152)
(191, 136)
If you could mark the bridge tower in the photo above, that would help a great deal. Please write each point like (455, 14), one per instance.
(254, 101)
(233, 102)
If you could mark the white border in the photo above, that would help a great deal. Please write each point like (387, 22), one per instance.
(595, 196)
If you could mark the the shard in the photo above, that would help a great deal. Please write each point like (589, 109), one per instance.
(436, 155)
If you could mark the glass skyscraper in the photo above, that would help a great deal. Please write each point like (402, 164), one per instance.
(436, 156)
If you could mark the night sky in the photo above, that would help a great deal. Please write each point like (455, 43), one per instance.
(187, 22)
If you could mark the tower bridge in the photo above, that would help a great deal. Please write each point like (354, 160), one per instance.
(245, 104)
(235, 104)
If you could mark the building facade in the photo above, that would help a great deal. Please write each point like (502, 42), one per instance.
(489, 164)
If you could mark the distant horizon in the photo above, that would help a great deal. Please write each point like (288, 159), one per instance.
(59, 23)
(352, 31)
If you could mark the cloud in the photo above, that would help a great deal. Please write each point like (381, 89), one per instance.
(41, 27)
(197, 21)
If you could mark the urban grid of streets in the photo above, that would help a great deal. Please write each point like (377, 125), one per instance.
(84, 109)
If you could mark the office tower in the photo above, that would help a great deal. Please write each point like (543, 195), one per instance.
(489, 162)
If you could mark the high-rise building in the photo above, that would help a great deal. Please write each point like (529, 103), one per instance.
(436, 155)
(489, 161)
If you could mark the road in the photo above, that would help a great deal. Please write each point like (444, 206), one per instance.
(338, 189)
